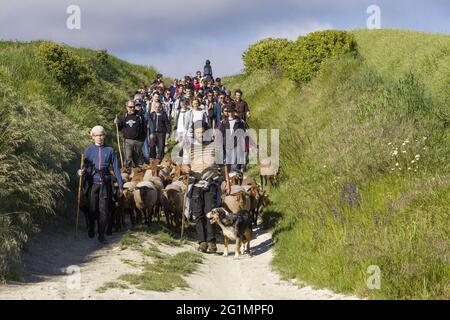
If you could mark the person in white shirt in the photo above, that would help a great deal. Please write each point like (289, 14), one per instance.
(195, 114)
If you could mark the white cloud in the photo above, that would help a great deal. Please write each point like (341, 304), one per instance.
(291, 30)
(176, 36)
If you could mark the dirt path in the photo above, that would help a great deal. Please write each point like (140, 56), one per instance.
(51, 256)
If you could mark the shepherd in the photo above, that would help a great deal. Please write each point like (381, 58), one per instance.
(201, 162)
(97, 190)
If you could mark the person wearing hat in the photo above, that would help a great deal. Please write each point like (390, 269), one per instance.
(98, 191)
(234, 136)
(219, 85)
(134, 129)
(139, 106)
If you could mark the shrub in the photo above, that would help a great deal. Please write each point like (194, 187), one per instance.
(302, 60)
(264, 54)
(37, 147)
(100, 62)
(66, 67)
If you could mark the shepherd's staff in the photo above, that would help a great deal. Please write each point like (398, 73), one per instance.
(79, 193)
(118, 142)
(183, 217)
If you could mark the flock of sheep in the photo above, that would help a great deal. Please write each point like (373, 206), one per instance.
(161, 187)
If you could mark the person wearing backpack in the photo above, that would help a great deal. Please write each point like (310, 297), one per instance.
(134, 130)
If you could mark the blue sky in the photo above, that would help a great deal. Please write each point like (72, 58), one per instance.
(177, 36)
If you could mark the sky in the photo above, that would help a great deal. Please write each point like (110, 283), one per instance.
(177, 36)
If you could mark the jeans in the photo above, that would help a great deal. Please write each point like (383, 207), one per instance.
(146, 151)
(157, 145)
(133, 152)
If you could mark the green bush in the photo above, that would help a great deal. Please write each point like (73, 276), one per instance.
(264, 55)
(101, 63)
(66, 67)
(302, 60)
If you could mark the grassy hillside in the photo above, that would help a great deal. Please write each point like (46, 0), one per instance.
(44, 127)
(365, 151)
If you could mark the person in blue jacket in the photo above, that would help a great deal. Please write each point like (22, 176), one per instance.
(98, 185)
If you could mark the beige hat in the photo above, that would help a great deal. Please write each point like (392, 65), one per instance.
(98, 130)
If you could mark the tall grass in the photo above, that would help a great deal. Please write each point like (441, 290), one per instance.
(43, 130)
(366, 177)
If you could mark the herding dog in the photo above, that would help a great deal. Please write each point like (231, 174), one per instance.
(236, 227)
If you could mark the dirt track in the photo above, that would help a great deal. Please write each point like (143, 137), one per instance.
(50, 255)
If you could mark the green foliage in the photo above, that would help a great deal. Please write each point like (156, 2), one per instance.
(36, 148)
(299, 60)
(342, 135)
(302, 60)
(66, 67)
(46, 111)
(264, 55)
(166, 272)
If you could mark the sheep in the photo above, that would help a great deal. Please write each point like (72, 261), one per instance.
(269, 173)
(125, 175)
(145, 197)
(159, 185)
(237, 200)
(173, 202)
(126, 202)
(137, 174)
(254, 197)
(164, 174)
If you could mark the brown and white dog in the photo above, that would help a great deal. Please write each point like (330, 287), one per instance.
(235, 226)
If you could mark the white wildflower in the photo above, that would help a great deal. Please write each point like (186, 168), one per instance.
(413, 161)
(397, 164)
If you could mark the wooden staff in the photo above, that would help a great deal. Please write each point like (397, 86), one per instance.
(183, 217)
(79, 193)
(118, 142)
